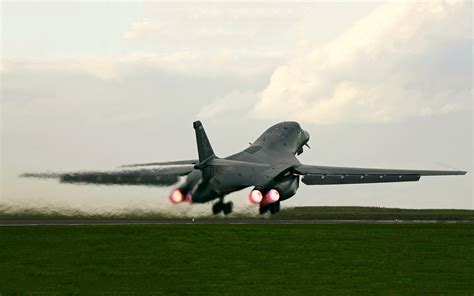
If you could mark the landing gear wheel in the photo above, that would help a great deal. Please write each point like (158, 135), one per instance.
(227, 208)
(263, 209)
(274, 207)
(217, 207)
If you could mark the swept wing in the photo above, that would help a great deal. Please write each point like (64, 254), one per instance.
(149, 177)
(321, 175)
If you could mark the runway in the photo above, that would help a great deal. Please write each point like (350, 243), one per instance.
(80, 222)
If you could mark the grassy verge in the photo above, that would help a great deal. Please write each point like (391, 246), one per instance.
(302, 213)
(373, 213)
(238, 260)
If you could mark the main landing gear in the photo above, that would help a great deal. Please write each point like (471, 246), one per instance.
(221, 206)
(273, 208)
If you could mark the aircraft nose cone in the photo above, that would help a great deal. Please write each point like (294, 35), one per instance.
(306, 136)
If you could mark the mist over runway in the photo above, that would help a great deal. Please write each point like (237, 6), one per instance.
(74, 222)
(291, 215)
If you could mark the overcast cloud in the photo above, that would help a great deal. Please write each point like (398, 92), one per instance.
(405, 59)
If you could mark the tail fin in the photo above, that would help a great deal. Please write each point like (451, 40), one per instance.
(205, 151)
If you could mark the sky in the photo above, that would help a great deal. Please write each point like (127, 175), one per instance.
(88, 85)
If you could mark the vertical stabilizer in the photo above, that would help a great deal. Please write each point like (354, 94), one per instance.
(204, 147)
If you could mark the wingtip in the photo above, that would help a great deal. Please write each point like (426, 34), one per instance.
(40, 175)
(30, 175)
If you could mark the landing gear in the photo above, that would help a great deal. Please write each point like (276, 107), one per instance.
(220, 206)
(228, 208)
(273, 208)
(217, 207)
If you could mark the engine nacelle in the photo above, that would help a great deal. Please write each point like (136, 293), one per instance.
(288, 187)
(280, 191)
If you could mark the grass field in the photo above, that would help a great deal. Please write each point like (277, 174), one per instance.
(412, 259)
(373, 213)
(287, 213)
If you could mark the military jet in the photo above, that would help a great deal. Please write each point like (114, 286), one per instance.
(269, 165)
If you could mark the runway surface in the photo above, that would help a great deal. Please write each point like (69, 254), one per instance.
(79, 222)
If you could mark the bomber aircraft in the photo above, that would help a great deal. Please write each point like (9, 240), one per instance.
(269, 165)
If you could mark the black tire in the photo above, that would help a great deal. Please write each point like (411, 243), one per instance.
(227, 207)
(217, 208)
(273, 209)
(263, 209)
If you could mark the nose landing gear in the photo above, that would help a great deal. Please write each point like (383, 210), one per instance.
(220, 206)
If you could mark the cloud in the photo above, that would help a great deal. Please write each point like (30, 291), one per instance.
(244, 27)
(405, 59)
(186, 64)
(245, 40)
(234, 102)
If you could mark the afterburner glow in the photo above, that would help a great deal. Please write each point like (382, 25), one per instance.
(255, 196)
(176, 196)
(272, 196)
(188, 197)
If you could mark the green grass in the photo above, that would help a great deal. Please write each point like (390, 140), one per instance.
(287, 213)
(374, 213)
(435, 259)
